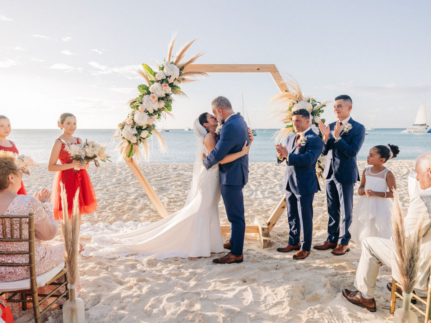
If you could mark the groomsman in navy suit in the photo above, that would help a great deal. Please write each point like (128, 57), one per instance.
(343, 140)
(300, 182)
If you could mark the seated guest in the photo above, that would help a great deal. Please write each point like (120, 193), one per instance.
(379, 250)
(48, 255)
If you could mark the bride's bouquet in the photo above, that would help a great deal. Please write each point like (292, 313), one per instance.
(88, 151)
(24, 163)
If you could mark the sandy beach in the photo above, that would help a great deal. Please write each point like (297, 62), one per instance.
(266, 287)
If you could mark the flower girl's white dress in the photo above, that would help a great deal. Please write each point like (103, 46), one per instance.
(372, 215)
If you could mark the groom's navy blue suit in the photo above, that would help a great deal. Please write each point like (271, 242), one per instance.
(341, 175)
(300, 183)
(233, 176)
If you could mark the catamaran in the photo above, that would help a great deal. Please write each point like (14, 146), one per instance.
(421, 125)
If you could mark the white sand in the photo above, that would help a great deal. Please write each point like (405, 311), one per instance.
(266, 287)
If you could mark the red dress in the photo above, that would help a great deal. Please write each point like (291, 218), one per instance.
(72, 180)
(13, 149)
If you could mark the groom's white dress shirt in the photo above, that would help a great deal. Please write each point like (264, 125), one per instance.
(377, 250)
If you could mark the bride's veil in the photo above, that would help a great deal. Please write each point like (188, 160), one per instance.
(198, 167)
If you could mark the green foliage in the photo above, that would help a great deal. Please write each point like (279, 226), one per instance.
(143, 89)
(148, 70)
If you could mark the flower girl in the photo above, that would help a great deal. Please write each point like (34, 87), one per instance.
(8, 145)
(372, 213)
(71, 173)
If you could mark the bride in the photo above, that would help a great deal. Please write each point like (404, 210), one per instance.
(193, 231)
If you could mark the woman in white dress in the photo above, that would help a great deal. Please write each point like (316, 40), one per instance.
(193, 231)
(372, 213)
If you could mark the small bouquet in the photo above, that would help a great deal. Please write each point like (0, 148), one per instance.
(24, 163)
(88, 151)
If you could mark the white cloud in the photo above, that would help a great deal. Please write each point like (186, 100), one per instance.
(8, 63)
(66, 38)
(67, 52)
(65, 67)
(96, 51)
(126, 71)
(4, 18)
(122, 89)
(41, 36)
(37, 60)
(19, 49)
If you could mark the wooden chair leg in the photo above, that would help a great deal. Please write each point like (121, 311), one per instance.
(393, 296)
(427, 310)
(24, 304)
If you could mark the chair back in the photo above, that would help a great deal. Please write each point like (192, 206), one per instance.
(18, 237)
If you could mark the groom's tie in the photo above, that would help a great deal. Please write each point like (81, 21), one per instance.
(297, 137)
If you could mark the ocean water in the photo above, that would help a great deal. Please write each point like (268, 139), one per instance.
(182, 144)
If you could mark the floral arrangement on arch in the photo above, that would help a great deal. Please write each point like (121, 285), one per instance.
(155, 100)
(291, 100)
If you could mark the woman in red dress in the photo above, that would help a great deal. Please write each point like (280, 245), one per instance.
(66, 173)
(8, 145)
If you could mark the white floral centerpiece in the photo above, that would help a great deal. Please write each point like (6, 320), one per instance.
(89, 150)
(155, 101)
(291, 100)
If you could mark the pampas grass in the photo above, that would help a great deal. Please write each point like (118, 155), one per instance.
(407, 248)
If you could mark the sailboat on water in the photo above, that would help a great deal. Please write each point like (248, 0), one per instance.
(421, 125)
(244, 110)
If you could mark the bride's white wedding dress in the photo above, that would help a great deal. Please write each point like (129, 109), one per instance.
(194, 231)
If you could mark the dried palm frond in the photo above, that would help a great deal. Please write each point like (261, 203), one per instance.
(321, 105)
(167, 113)
(187, 80)
(171, 47)
(144, 75)
(145, 149)
(281, 135)
(407, 247)
(180, 93)
(130, 101)
(194, 74)
(182, 52)
(125, 149)
(161, 141)
(191, 60)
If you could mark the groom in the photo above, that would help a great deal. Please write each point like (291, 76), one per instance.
(233, 176)
(343, 140)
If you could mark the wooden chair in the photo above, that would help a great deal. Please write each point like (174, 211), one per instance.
(27, 288)
(424, 300)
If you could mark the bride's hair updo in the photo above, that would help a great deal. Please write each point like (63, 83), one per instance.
(387, 154)
(203, 119)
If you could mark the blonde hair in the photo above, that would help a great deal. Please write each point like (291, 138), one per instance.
(7, 167)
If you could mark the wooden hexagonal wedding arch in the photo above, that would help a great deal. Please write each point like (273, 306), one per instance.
(262, 227)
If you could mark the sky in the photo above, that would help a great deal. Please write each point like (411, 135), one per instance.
(81, 56)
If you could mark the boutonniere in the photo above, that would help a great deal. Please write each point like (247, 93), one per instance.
(347, 127)
(218, 129)
(301, 141)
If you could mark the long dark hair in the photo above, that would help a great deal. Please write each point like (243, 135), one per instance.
(203, 119)
(385, 153)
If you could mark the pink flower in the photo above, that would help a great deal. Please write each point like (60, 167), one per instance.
(133, 140)
(141, 108)
(129, 120)
(150, 122)
(166, 88)
(153, 97)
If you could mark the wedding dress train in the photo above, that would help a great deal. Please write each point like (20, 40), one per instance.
(193, 231)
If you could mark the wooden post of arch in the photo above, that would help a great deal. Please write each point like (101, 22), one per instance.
(262, 227)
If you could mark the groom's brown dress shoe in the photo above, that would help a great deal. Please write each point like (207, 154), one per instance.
(229, 259)
(289, 248)
(227, 245)
(301, 254)
(341, 250)
(325, 246)
(355, 298)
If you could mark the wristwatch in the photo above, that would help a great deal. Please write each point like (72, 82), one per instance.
(338, 138)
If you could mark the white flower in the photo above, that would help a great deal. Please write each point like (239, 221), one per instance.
(316, 119)
(166, 88)
(305, 98)
(302, 139)
(128, 132)
(133, 140)
(303, 105)
(218, 129)
(150, 110)
(160, 75)
(141, 108)
(102, 153)
(157, 89)
(161, 104)
(153, 97)
(24, 162)
(141, 118)
(347, 127)
(176, 83)
(144, 134)
(149, 104)
(171, 70)
(154, 118)
(172, 79)
(315, 129)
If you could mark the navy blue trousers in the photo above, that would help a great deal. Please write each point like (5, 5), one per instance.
(234, 202)
(300, 216)
(340, 203)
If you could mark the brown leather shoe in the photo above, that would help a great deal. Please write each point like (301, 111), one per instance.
(355, 298)
(325, 246)
(229, 259)
(301, 254)
(341, 250)
(227, 245)
(400, 291)
(289, 248)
